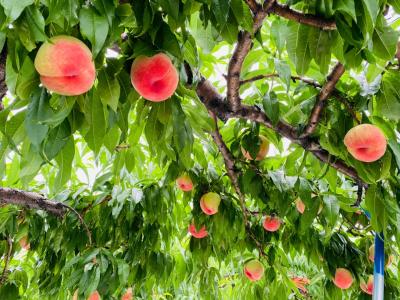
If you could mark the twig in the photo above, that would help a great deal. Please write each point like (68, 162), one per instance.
(229, 165)
(7, 260)
(307, 19)
(3, 86)
(323, 96)
(81, 220)
(272, 75)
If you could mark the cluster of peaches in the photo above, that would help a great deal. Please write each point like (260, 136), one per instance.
(66, 67)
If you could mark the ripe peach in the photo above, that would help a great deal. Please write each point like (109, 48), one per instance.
(66, 66)
(154, 78)
(199, 234)
(369, 286)
(271, 223)
(365, 142)
(301, 207)
(23, 242)
(254, 270)
(343, 278)
(184, 183)
(209, 203)
(94, 296)
(128, 294)
(264, 147)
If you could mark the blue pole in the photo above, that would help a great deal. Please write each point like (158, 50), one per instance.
(379, 267)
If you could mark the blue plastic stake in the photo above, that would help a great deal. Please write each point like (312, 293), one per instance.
(379, 267)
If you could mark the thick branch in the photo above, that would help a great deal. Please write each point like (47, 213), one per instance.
(307, 19)
(215, 103)
(242, 48)
(31, 201)
(3, 86)
(323, 96)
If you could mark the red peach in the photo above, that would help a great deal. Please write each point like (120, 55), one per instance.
(199, 234)
(209, 203)
(369, 286)
(154, 78)
(343, 278)
(264, 147)
(271, 223)
(254, 270)
(94, 296)
(300, 206)
(66, 66)
(184, 183)
(128, 294)
(366, 142)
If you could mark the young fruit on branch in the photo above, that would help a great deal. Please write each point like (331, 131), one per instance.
(366, 142)
(300, 206)
(128, 294)
(254, 270)
(66, 66)
(154, 78)
(343, 278)
(271, 223)
(184, 183)
(198, 234)
(262, 152)
(209, 203)
(369, 286)
(23, 242)
(371, 256)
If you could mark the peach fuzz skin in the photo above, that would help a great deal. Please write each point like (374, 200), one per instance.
(184, 183)
(128, 295)
(271, 223)
(300, 206)
(366, 142)
(93, 296)
(264, 147)
(198, 234)
(209, 203)
(154, 78)
(66, 66)
(343, 278)
(254, 270)
(368, 287)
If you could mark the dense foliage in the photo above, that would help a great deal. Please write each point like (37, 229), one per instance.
(110, 158)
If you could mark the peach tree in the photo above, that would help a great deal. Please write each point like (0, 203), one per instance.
(206, 149)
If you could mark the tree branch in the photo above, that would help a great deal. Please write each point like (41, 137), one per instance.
(229, 165)
(7, 260)
(286, 12)
(37, 201)
(323, 96)
(3, 86)
(31, 200)
(242, 48)
(215, 102)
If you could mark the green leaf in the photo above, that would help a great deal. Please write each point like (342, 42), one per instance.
(331, 209)
(388, 98)
(56, 140)
(93, 27)
(110, 89)
(64, 160)
(298, 46)
(220, 9)
(95, 115)
(37, 107)
(375, 205)
(13, 9)
(271, 106)
(384, 42)
(284, 72)
(27, 79)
